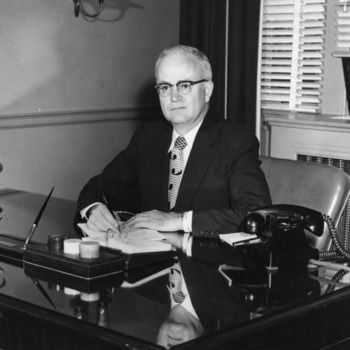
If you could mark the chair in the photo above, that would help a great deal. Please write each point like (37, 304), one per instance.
(321, 187)
(0, 207)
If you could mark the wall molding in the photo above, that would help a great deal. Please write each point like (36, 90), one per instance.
(25, 120)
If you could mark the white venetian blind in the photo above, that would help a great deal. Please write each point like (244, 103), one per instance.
(343, 24)
(292, 54)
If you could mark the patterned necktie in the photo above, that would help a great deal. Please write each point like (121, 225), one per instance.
(176, 170)
(175, 284)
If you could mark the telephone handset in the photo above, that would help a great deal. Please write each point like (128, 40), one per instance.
(281, 229)
(285, 217)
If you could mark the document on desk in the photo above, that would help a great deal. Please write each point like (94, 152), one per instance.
(138, 240)
(239, 238)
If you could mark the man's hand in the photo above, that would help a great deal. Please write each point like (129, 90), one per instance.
(101, 219)
(175, 239)
(157, 220)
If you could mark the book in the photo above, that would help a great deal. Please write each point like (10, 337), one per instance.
(137, 241)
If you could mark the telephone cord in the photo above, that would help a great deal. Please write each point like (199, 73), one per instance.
(334, 236)
(336, 278)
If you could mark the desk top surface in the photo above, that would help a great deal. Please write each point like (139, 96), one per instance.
(133, 307)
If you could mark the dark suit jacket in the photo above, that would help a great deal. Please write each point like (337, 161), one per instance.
(217, 305)
(221, 183)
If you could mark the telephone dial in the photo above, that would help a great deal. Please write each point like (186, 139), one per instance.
(283, 240)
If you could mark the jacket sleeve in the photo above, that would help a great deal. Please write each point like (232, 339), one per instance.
(247, 189)
(118, 180)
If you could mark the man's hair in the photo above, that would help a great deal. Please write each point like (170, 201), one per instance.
(200, 58)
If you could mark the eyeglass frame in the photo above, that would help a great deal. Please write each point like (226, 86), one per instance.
(177, 86)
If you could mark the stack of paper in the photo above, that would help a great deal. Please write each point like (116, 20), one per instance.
(138, 240)
(239, 238)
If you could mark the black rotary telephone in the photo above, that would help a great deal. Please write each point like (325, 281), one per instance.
(283, 217)
(283, 240)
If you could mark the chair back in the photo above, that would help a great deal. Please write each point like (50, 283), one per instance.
(321, 187)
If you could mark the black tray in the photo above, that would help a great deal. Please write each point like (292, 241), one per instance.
(80, 284)
(106, 264)
(110, 261)
(11, 249)
(97, 284)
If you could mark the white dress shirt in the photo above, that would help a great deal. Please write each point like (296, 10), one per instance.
(187, 218)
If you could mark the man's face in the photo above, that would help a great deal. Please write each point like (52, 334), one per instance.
(184, 112)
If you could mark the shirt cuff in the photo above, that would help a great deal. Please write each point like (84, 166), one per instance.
(85, 210)
(187, 221)
(187, 244)
(187, 238)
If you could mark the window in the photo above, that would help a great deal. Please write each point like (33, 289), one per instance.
(342, 9)
(343, 41)
(292, 58)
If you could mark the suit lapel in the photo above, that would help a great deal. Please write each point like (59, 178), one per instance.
(160, 169)
(200, 157)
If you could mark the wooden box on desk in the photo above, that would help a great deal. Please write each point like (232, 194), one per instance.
(107, 263)
(80, 284)
(11, 249)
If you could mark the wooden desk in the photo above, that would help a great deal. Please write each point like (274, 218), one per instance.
(294, 309)
(21, 208)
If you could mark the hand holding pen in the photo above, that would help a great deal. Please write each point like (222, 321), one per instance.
(102, 218)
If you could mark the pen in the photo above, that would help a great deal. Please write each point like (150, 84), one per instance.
(36, 222)
(43, 292)
(123, 231)
(106, 203)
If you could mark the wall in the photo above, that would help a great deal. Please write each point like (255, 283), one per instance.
(72, 90)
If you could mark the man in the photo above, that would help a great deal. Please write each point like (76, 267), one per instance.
(220, 181)
(182, 323)
(205, 305)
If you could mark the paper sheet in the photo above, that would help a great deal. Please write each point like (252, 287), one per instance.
(138, 240)
(237, 237)
(133, 235)
(142, 281)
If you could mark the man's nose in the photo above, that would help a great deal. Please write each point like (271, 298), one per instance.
(174, 94)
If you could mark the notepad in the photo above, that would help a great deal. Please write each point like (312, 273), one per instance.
(138, 240)
(238, 238)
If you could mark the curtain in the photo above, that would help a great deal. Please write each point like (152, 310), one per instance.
(203, 25)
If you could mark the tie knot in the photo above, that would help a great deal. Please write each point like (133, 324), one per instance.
(175, 284)
(180, 143)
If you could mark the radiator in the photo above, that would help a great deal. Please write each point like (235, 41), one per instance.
(344, 222)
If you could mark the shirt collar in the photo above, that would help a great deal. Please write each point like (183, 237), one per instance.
(189, 137)
(187, 303)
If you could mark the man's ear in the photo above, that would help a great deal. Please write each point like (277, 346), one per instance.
(209, 87)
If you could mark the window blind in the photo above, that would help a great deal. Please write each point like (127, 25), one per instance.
(292, 54)
(343, 24)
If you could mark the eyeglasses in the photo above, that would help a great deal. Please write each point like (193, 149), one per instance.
(183, 87)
